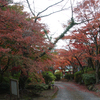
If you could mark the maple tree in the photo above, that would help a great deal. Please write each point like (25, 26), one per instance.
(60, 61)
(86, 12)
(85, 40)
(71, 58)
(91, 9)
(70, 25)
(21, 40)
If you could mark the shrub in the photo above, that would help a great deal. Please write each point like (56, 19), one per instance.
(48, 77)
(22, 81)
(88, 70)
(89, 79)
(29, 80)
(6, 79)
(69, 76)
(58, 75)
(78, 77)
(16, 76)
(38, 88)
(4, 87)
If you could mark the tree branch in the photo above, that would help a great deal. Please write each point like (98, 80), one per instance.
(65, 4)
(50, 14)
(30, 7)
(54, 12)
(37, 16)
(67, 29)
(49, 7)
(47, 35)
(62, 35)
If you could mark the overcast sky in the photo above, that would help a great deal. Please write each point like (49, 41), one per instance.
(54, 21)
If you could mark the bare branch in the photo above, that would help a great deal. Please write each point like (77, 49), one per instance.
(53, 12)
(50, 13)
(65, 4)
(30, 7)
(84, 21)
(34, 6)
(49, 7)
(71, 8)
(37, 16)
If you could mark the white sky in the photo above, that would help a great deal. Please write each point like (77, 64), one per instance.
(54, 21)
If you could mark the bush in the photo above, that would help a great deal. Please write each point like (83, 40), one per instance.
(16, 75)
(69, 76)
(88, 70)
(4, 87)
(48, 77)
(78, 77)
(89, 79)
(58, 75)
(6, 79)
(22, 81)
(29, 80)
(38, 88)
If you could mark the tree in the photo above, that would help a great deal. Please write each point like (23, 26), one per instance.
(69, 26)
(81, 17)
(38, 15)
(23, 39)
(86, 38)
(90, 9)
(72, 57)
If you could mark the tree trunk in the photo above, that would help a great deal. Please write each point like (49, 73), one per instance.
(82, 69)
(90, 63)
(97, 76)
(97, 72)
(97, 61)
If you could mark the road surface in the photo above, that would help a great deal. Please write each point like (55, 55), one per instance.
(69, 91)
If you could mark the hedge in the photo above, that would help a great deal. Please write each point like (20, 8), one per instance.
(78, 77)
(89, 79)
(69, 76)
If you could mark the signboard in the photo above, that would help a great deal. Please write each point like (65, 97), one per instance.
(14, 87)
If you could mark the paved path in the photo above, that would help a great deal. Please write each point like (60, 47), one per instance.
(69, 91)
